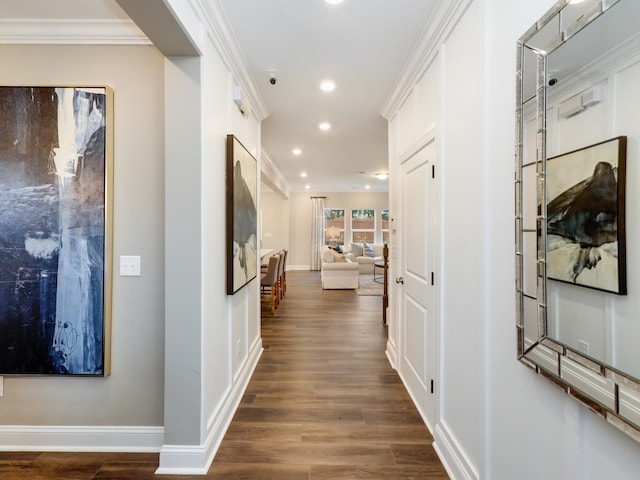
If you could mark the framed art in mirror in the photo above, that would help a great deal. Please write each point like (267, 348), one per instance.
(56, 180)
(576, 222)
(586, 243)
(242, 218)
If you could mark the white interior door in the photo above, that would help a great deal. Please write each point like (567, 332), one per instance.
(417, 272)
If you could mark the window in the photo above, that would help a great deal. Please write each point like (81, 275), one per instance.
(333, 226)
(385, 225)
(363, 225)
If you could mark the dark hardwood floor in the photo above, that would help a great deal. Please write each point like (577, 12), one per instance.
(323, 404)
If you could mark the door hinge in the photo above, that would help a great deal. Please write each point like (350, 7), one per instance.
(433, 171)
(432, 386)
(433, 278)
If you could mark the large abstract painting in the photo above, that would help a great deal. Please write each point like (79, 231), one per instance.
(586, 217)
(54, 233)
(242, 218)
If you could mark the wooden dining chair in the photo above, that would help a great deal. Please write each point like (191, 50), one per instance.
(269, 282)
(285, 254)
(281, 275)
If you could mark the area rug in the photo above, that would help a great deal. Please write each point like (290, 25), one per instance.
(368, 286)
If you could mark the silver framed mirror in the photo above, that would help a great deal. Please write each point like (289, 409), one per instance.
(577, 287)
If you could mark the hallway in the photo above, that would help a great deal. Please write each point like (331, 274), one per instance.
(324, 403)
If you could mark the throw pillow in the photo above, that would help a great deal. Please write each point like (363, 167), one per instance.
(357, 249)
(327, 255)
(337, 248)
(369, 251)
(338, 257)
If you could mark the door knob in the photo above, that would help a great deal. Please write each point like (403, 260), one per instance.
(400, 280)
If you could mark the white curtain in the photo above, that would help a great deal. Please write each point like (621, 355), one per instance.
(317, 231)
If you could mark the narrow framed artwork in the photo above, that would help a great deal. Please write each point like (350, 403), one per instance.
(586, 216)
(242, 218)
(56, 173)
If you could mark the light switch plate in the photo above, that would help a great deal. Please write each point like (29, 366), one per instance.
(129, 265)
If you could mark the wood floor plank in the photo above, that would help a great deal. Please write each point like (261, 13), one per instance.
(414, 454)
(296, 414)
(258, 471)
(123, 471)
(413, 435)
(365, 453)
(17, 458)
(269, 432)
(396, 472)
(391, 417)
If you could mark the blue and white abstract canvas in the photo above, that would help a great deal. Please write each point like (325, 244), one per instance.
(53, 173)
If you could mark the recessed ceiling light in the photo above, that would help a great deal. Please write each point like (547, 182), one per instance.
(307, 187)
(303, 174)
(328, 86)
(296, 151)
(382, 175)
(325, 126)
(572, 2)
(367, 187)
(333, 2)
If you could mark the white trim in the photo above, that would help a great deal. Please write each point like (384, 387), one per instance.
(271, 175)
(196, 459)
(71, 32)
(453, 459)
(301, 268)
(391, 353)
(223, 38)
(80, 439)
(440, 24)
(412, 393)
(421, 143)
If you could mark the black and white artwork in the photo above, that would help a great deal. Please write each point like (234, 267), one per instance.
(586, 217)
(53, 231)
(242, 217)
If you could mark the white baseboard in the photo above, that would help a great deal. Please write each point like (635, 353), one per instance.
(454, 460)
(299, 267)
(174, 459)
(392, 354)
(80, 439)
(196, 459)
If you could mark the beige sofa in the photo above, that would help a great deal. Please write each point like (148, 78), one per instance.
(338, 272)
(365, 262)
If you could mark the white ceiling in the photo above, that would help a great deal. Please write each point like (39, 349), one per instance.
(361, 44)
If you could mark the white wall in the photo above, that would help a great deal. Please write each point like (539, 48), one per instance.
(213, 339)
(133, 395)
(572, 442)
(275, 221)
(496, 419)
(300, 220)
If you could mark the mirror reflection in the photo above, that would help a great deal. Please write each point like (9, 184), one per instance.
(594, 98)
(577, 259)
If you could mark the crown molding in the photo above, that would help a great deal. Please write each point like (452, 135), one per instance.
(444, 18)
(71, 32)
(225, 41)
(273, 176)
